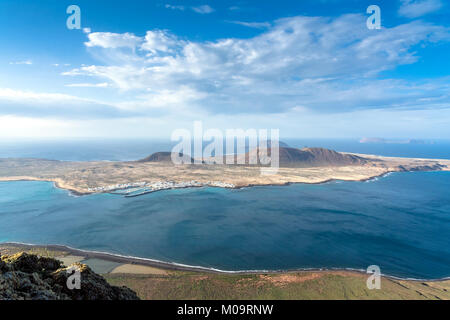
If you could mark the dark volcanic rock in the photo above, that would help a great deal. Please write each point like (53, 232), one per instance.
(165, 157)
(93, 286)
(30, 263)
(322, 156)
(289, 157)
(29, 277)
(429, 167)
(309, 157)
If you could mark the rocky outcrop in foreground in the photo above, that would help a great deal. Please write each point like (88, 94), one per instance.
(30, 277)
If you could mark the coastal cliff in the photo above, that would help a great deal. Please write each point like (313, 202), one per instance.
(26, 276)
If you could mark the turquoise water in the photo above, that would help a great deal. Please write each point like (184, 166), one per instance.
(400, 222)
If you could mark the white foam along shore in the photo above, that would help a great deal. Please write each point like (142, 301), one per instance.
(185, 267)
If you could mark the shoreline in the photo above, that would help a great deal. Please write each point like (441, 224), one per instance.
(173, 266)
(84, 178)
(56, 184)
(78, 193)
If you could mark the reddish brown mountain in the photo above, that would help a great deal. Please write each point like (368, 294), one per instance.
(289, 157)
(310, 157)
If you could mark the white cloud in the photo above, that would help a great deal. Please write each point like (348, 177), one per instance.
(87, 30)
(159, 40)
(124, 77)
(322, 64)
(27, 62)
(307, 72)
(169, 6)
(418, 8)
(112, 40)
(314, 75)
(19, 95)
(204, 9)
(257, 25)
(178, 102)
(88, 85)
(52, 105)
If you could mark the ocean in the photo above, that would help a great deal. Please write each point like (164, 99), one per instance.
(126, 149)
(400, 222)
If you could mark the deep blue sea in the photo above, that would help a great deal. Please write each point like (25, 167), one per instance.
(400, 222)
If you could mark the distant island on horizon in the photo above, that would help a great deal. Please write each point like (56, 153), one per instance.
(394, 141)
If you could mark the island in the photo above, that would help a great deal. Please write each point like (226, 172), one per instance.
(158, 172)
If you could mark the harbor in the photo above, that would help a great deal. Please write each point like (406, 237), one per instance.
(136, 189)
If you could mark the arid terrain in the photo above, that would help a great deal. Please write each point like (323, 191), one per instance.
(28, 276)
(157, 281)
(312, 165)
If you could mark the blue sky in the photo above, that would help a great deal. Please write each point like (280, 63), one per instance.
(310, 68)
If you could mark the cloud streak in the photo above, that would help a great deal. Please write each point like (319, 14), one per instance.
(88, 85)
(54, 105)
(418, 8)
(26, 62)
(202, 9)
(257, 25)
